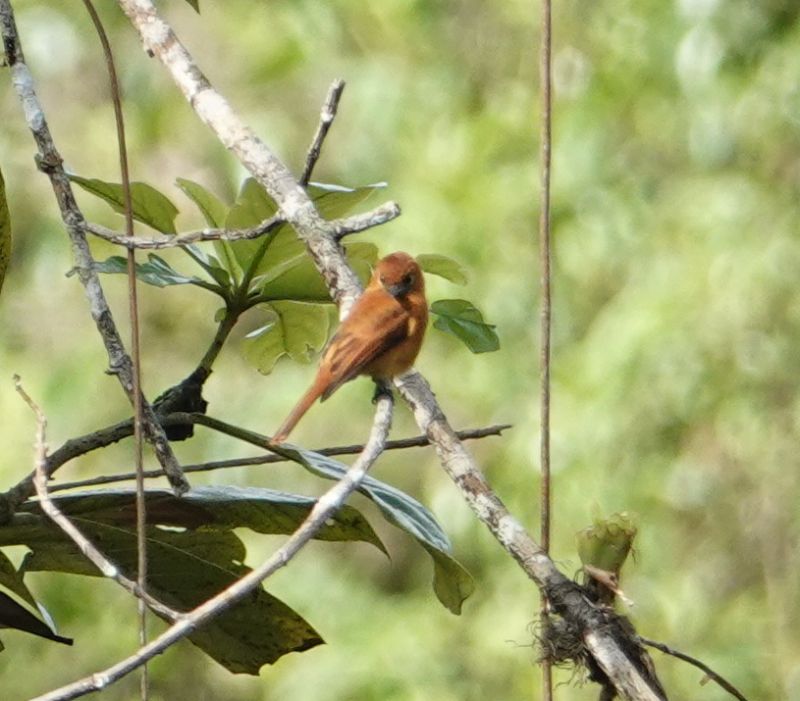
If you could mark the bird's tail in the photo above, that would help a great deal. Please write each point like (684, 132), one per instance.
(297, 413)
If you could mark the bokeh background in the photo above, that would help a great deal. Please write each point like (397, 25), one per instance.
(676, 208)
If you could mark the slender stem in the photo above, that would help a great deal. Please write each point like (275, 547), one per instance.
(400, 444)
(223, 331)
(133, 312)
(719, 679)
(546, 309)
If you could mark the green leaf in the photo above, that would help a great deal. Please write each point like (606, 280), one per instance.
(211, 264)
(282, 250)
(607, 542)
(297, 329)
(213, 209)
(335, 201)
(195, 4)
(442, 266)
(298, 279)
(150, 206)
(452, 583)
(465, 322)
(155, 272)
(193, 553)
(5, 232)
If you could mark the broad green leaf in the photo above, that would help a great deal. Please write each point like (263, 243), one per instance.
(186, 568)
(298, 279)
(442, 266)
(282, 250)
(297, 329)
(335, 201)
(5, 232)
(465, 322)
(223, 508)
(451, 582)
(193, 553)
(150, 206)
(155, 272)
(213, 209)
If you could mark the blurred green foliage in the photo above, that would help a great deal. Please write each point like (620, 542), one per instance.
(677, 320)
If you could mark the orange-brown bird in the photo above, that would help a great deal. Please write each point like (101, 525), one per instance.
(380, 337)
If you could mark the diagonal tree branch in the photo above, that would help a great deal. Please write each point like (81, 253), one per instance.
(50, 162)
(604, 642)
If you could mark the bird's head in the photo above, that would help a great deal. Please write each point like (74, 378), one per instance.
(398, 273)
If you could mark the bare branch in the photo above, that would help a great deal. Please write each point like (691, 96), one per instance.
(50, 162)
(361, 222)
(710, 673)
(326, 506)
(106, 567)
(183, 239)
(326, 117)
(418, 441)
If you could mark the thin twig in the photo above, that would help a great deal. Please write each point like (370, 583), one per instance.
(361, 222)
(50, 162)
(418, 441)
(133, 314)
(545, 77)
(326, 117)
(718, 678)
(106, 567)
(326, 506)
(183, 239)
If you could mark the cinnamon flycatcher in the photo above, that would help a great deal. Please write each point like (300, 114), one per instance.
(380, 337)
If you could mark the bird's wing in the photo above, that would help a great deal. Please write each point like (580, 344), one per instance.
(356, 344)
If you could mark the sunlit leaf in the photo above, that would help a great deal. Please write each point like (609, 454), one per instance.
(442, 266)
(150, 206)
(465, 322)
(5, 232)
(335, 201)
(297, 329)
(282, 251)
(213, 209)
(451, 582)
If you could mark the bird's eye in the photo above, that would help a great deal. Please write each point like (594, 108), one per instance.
(408, 279)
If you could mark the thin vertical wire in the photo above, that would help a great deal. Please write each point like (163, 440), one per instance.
(133, 311)
(545, 77)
